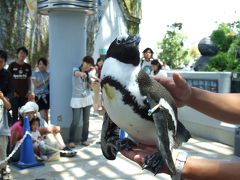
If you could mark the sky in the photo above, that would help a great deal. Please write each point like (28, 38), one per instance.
(199, 18)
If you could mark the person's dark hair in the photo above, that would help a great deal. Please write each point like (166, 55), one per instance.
(88, 59)
(3, 55)
(24, 49)
(156, 62)
(148, 49)
(43, 60)
(35, 119)
(98, 60)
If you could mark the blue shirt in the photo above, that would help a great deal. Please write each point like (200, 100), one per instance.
(44, 88)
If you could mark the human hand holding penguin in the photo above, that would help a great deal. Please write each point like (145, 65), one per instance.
(128, 93)
(139, 152)
(178, 88)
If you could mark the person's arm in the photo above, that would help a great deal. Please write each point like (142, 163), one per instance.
(44, 130)
(197, 169)
(37, 83)
(204, 169)
(93, 74)
(79, 74)
(30, 94)
(225, 107)
(5, 100)
(49, 129)
(14, 136)
(10, 87)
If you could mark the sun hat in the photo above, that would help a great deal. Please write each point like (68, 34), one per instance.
(29, 107)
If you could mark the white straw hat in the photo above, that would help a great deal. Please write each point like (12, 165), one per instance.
(29, 107)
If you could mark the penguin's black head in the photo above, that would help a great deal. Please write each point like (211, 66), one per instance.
(125, 49)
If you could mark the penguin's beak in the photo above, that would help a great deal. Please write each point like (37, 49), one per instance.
(132, 41)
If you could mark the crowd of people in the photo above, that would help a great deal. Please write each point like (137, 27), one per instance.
(26, 93)
(153, 67)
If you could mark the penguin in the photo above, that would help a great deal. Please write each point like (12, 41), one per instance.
(128, 95)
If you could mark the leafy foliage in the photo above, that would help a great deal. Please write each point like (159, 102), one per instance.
(194, 53)
(223, 37)
(218, 62)
(173, 52)
(227, 39)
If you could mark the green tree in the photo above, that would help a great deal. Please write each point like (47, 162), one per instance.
(171, 47)
(227, 39)
(19, 29)
(194, 53)
(223, 37)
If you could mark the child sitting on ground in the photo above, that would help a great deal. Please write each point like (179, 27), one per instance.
(39, 145)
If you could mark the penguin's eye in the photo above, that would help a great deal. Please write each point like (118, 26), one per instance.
(118, 41)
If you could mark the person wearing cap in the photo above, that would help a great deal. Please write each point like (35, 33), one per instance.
(30, 109)
(81, 101)
(157, 69)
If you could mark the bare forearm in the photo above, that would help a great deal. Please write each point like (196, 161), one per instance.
(6, 102)
(210, 169)
(37, 83)
(45, 130)
(225, 107)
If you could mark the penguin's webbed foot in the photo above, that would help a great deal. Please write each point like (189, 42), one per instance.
(110, 147)
(125, 144)
(153, 163)
(114, 145)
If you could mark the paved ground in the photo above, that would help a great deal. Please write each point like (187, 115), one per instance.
(89, 164)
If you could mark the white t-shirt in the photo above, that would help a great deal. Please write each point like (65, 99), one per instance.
(81, 93)
(35, 134)
(146, 66)
(4, 128)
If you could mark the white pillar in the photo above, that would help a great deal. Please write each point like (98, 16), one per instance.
(67, 47)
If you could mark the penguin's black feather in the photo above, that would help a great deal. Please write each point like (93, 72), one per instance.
(128, 98)
(125, 50)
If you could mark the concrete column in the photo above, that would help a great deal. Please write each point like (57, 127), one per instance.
(67, 47)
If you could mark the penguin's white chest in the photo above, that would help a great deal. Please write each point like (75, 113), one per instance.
(123, 116)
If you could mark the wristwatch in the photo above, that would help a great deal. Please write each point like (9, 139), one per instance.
(179, 164)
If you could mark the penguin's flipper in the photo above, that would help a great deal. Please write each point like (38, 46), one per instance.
(109, 138)
(183, 135)
(160, 117)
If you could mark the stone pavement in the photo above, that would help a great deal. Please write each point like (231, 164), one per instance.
(90, 164)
